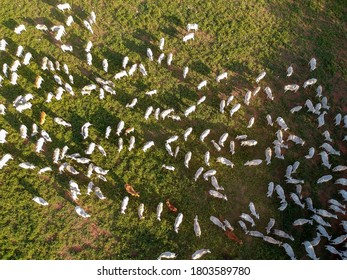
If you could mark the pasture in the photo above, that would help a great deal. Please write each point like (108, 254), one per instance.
(242, 38)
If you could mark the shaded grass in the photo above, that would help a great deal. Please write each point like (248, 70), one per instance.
(241, 38)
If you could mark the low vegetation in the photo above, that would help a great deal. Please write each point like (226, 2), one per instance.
(240, 37)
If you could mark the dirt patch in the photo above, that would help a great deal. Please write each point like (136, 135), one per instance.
(86, 73)
(342, 148)
(75, 248)
(206, 37)
(96, 231)
(339, 95)
(50, 238)
(58, 206)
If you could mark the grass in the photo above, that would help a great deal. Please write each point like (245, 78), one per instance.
(242, 38)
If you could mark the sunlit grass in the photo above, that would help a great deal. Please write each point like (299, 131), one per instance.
(240, 38)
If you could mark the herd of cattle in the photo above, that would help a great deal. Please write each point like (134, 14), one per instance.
(73, 164)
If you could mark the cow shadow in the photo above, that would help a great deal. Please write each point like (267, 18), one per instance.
(52, 3)
(103, 118)
(79, 11)
(10, 92)
(136, 46)
(144, 36)
(114, 59)
(173, 20)
(10, 24)
(200, 67)
(38, 20)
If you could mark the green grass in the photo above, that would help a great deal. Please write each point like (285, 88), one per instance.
(240, 37)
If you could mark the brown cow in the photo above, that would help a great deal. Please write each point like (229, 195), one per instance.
(171, 207)
(231, 235)
(42, 118)
(131, 190)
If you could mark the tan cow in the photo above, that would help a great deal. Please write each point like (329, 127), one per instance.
(42, 118)
(131, 190)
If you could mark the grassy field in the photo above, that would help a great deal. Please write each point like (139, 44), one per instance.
(240, 37)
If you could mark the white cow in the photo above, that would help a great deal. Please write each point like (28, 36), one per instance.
(217, 222)
(3, 45)
(133, 69)
(192, 26)
(81, 212)
(260, 76)
(248, 218)
(161, 43)
(202, 84)
(197, 228)
(223, 138)
(248, 97)
(190, 110)
(27, 58)
(204, 134)
(2, 109)
(188, 37)
(151, 92)
(185, 72)
(292, 87)
(209, 173)
(88, 26)
(187, 132)
(313, 64)
(290, 71)
(27, 165)
(19, 29)
(178, 222)
(40, 200)
(120, 127)
(253, 211)
(268, 92)
(222, 77)
(89, 59)
(150, 54)
(131, 104)
(199, 253)
(309, 82)
(68, 21)
(161, 57)
(217, 194)
(124, 204)
(159, 210)
(169, 59)
(253, 162)
(120, 75)
(45, 169)
(41, 27)
(234, 109)
(142, 69)
(85, 130)
(148, 112)
(198, 173)
(63, 7)
(148, 145)
(3, 134)
(217, 147)
(187, 158)
(66, 48)
(167, 255)
(225, 161)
